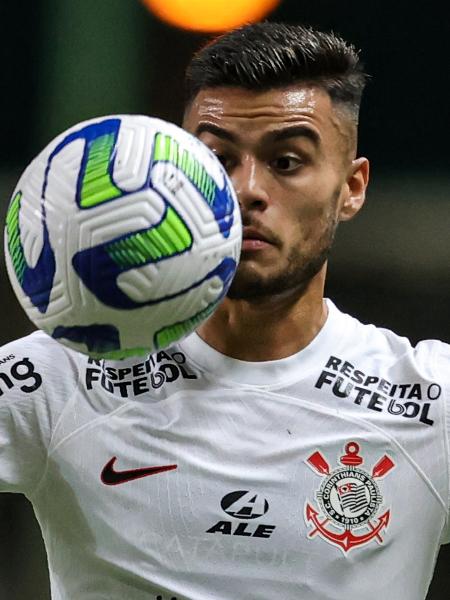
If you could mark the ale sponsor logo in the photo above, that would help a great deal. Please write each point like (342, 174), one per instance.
(245, 506)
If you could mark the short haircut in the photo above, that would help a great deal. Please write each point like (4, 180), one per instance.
(268, 55)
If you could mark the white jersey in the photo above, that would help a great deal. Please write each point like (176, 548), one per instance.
(191, 475)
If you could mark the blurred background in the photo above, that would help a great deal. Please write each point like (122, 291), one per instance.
(68, 60)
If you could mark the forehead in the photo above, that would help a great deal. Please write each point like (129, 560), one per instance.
(254, 112)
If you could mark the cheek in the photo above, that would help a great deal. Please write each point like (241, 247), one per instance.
(310, 208)
(314, 215)
(313, 189)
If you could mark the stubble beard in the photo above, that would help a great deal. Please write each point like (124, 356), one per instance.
(293, 280)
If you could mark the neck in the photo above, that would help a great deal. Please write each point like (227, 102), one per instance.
(267, 329)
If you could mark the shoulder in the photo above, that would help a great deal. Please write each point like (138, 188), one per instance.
(38, 376)
(36, 362)
(383, 376)
(429, 359)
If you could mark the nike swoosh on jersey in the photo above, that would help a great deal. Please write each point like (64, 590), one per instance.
(110, 476)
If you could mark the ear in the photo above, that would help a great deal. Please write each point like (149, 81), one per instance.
(355, 192)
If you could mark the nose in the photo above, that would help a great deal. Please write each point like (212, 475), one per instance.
(249, 179)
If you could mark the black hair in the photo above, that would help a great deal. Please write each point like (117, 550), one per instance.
(268, 55)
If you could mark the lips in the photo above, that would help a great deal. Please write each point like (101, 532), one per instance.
(254, 239)
(251, 233)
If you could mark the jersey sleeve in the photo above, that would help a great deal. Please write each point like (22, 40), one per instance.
(440, 365)
(37, 376)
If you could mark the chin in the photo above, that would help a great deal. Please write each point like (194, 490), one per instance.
(293, 280)
(254, 288)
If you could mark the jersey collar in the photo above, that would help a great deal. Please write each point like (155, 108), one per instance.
(266, 373)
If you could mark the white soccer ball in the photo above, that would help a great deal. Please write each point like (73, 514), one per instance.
(122, 236)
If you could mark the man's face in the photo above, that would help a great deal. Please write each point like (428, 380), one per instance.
(288, 152)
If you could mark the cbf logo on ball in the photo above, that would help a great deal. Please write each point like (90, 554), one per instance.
(122, 236)
(349, 500)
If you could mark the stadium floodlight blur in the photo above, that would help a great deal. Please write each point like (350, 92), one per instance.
(210, 15)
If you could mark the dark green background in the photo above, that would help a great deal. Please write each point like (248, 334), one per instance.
(67, 60)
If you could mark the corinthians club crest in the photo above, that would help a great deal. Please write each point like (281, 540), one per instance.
(349, 500)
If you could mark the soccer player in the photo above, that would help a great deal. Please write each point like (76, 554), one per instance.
(284, 450)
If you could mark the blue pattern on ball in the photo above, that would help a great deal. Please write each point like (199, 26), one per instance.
(96, 338)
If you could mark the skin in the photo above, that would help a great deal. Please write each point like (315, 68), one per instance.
(290, 154)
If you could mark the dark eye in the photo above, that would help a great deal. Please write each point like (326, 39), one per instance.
(286, 163)
(224, 160)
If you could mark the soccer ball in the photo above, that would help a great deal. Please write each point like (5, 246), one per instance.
(122, 236)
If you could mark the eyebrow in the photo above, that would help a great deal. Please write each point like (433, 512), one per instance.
(286, 133)
(277, 135)
(215, 130)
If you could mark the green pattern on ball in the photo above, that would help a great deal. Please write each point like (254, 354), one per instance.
(167, 149)
(172, 333)
(119, 354)
(170, 237)
(97, 185)
(13, 233)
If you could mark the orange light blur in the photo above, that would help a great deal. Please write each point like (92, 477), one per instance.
(210, 15)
